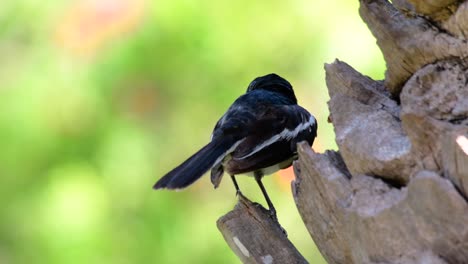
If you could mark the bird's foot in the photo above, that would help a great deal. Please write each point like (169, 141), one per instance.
(274, 217)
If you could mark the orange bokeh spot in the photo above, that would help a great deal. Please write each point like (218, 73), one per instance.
(88, 24)
(284, 177)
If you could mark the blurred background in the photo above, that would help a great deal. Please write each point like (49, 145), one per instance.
(98, 99)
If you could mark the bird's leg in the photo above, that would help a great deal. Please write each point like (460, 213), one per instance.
(258, 178)
(235, 185)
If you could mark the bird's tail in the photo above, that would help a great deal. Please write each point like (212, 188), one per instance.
(194, 167)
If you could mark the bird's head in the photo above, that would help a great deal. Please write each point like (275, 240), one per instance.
(274, 83)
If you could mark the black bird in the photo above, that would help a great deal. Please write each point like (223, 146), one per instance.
(257, 136)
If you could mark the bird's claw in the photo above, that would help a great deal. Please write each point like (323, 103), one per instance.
(274, 217)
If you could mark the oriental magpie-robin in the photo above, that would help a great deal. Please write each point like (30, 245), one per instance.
(257, 136)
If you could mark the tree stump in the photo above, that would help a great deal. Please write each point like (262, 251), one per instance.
(397, 189)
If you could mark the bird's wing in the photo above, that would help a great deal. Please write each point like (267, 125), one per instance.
(272, 125)
(238, 120)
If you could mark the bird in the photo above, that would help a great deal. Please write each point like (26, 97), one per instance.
(256, 136)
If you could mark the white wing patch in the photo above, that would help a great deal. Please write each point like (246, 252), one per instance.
(285, 134)
(231, 149)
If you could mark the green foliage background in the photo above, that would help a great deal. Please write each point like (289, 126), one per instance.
(94, 110)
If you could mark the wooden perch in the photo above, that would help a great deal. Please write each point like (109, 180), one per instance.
(361, 109)
(255, 237)
(367, 218)
(456, 160)
(434, 107)
(457, 24)
(352, 219)
(438, 10)
(407, 42)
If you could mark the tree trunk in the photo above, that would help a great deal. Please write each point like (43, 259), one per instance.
(397, 190)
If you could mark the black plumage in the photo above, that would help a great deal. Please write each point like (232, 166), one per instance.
(257, 135)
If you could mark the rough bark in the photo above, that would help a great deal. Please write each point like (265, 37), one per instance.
(396, 192)
(397, 189)
(408, 42)
(255, 237)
